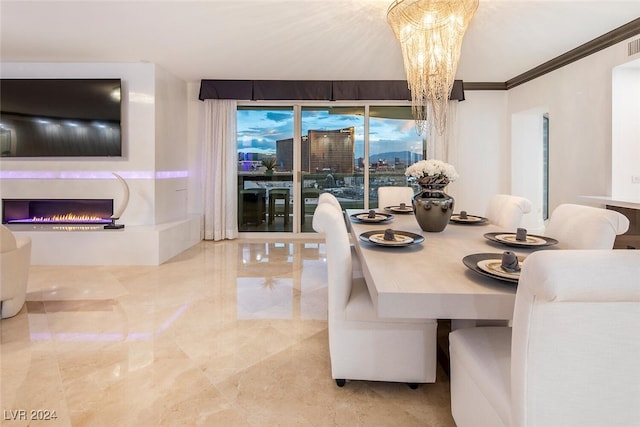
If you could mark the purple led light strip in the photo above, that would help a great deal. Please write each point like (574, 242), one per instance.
(91, 174)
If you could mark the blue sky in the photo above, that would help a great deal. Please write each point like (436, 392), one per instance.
(258, 130)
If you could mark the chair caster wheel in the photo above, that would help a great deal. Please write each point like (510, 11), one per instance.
(413, 386)
(341, 383)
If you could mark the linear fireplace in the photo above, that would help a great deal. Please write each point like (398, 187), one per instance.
(57, 211)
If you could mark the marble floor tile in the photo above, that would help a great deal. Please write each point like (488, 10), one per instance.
(230, 333)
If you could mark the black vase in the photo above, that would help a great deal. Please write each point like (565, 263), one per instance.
(433, 207)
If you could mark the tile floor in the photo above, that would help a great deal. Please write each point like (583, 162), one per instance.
(227, 333)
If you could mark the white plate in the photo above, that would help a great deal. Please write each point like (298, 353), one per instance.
(399, 239)
(469, 219)
(530, 241)
(364, 217)
(494, 266)
(400, 209)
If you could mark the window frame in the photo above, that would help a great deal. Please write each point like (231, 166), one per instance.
(297, 107)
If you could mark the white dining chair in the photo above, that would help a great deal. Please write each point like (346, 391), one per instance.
(394, 196)
(585, 227)
(571, 357)
(331, 200)
(506, 210)
(363, 346)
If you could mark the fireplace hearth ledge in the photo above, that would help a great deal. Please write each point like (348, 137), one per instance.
(133, 245)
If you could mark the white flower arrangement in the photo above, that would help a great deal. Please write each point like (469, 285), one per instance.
(437, 170)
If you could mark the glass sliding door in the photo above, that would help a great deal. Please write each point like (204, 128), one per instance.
(332, 158)
(265, 168)
(394, 144)
(288, 155)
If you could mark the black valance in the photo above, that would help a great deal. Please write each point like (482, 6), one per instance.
(314, 90)
(226, 89)
(371, 89)
(308, 90)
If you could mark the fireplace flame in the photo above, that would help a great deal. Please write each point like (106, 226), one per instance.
(69, 217)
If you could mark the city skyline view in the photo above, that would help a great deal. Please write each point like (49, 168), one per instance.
(331, 155)
(259, 130)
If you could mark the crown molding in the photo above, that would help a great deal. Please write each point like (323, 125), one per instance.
(606, 40)
(484, 86)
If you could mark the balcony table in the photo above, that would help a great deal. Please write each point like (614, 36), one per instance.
(429, 280)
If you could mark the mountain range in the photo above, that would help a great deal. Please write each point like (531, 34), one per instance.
(406, 157)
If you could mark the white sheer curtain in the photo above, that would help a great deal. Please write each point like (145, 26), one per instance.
(438, 145)
(219, 169)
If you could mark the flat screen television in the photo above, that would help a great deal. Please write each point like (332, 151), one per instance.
(60, 118)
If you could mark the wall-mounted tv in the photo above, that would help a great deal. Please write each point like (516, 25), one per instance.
(60, 118)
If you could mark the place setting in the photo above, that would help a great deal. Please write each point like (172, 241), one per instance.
(464, 218)
(371, 217)
(520, 239)
(391, 238)
(504, 266)
(402, 208)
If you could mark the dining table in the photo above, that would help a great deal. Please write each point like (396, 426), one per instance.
(428, 279)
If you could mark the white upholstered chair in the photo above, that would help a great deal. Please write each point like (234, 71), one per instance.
(585, 227)
(506, 210)
(394, 196)
(331, 200)
(363, 346)
(15, 255)
(571, 358)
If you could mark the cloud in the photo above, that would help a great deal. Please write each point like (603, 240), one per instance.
(256, 145)
(278, 117)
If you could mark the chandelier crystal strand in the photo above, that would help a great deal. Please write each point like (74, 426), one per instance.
(430, 33)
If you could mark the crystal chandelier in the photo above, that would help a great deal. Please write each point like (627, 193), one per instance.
(430, 33)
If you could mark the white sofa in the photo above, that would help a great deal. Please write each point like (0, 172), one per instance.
(15, 255)
(572, 357)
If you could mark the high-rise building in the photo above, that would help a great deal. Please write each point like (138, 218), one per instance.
(332, 150)
(284, 154)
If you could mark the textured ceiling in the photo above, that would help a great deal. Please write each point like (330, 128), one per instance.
(303, 39)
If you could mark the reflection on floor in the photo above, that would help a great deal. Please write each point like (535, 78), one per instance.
(277, 225)
(228, 333)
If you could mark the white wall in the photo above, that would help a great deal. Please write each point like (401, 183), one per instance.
(499, 137)
(481, 153)
(578, 98)
(194, 108)
(171, 148)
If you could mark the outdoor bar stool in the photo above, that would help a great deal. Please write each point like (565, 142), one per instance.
(277, 194)
(252, 205)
